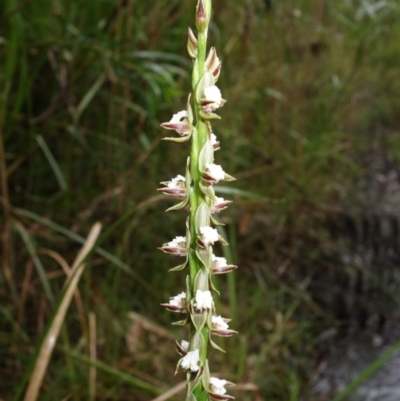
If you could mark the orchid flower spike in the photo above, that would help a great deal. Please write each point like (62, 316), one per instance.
(197, 195)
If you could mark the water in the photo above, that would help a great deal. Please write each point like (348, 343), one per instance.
(347, 358)
(378, 195)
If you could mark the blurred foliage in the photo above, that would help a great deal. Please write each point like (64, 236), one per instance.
(84, 86)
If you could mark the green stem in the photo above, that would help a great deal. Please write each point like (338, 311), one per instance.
(199, 138)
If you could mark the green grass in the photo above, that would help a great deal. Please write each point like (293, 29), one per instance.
(84, 86)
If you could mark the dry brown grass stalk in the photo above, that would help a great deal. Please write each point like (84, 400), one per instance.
(50, 339)
(93, 356)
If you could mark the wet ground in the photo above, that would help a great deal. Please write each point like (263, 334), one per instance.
(346, 359)
(348, 356)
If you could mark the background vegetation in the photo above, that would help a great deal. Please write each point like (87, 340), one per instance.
(84, 86)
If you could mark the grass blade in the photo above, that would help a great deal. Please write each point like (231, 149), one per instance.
(49, 341)
(70, 234)
(53, 163)
(91, 93)
(369, 371)
(123, 376)
(36, 261)
(93, 356)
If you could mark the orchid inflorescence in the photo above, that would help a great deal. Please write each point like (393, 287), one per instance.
(196, 190)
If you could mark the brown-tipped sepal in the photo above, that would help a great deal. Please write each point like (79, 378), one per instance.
(219, 204)
(213, 173)
(175, 187)
(181, 124)
(177, 303)
(182, 348)
(220, 327)
(175, 247)
(214, 142)
(220, 265)
(213, 64)
(192, 44)
(179, 186)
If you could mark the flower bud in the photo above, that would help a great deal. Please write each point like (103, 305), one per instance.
(192, 44)
(213, 64)
(201, 17)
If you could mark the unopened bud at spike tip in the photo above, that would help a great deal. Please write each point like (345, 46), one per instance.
(201, 17)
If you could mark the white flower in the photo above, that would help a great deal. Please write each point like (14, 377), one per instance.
(217, 386)
(218, 200)
(213, 94)
(179, 123)
(218, 262)
(191, 361)
(179, 300)
(209, 235)
(219, 204)
(214, 142)
(178, 242)
(204, 300)
(184, 345)
(215, 171)
(220, 265)
(177, 182)
(175, 247)
(219, 323)
(177, 118)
